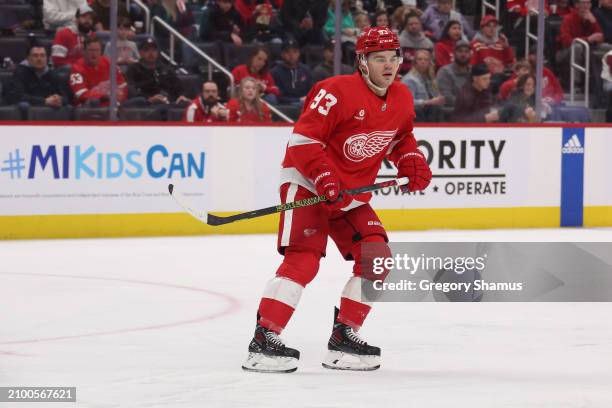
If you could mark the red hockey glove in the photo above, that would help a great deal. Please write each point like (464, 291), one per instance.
(414, 166)
(326, 182)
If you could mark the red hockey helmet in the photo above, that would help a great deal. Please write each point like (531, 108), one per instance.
(376, 39)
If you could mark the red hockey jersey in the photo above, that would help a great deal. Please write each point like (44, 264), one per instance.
(67, 47)
(345, 126)
(89, 82)
(197, 111)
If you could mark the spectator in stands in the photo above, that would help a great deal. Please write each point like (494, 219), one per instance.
(520, 107)
(445, 48)
(293, 78)
(58, 14)
(207, 107)
(151, 82)
(437, 15)
(515, 21)
(257, 67)
(398, 18)
(412, 38)
(362, 21)
(381, 19)
(474, 102)
(303, 20)
(248, 107)
(521, 68)
(493, 50)
(606, 76)
(552, 93)
(67, 45)
(101, 9)
(326, 68)
(221, 22)
(562, 8)
(580, 23)
(603, 14)
(422, 83)
(349, 32)
(452, 77)
(258, 20)
(33, 83)
(90, 77)
(175, 13)
(127, 51)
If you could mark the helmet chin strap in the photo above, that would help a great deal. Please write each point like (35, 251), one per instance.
(365, 73)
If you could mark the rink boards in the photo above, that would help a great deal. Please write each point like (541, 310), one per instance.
(89, 181)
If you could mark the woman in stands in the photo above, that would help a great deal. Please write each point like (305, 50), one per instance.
(248, 107)
(444, 49)
(257, 68)
(521, 104)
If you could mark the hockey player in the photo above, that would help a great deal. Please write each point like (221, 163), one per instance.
(349, 124)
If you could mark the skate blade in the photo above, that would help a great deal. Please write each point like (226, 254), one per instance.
(337, 360)
(260, 363)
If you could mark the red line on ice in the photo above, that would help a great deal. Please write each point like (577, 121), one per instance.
(232, 306)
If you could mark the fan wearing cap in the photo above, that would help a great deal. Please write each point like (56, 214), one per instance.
(348, 126)
(67, 45)
(452, 77)
(326, 68)
(152, 82)
(474, 102)
(491, 48)
(292, 78)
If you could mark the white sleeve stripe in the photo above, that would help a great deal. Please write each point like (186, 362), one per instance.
(297, 140)
(81, 92)
(191, 110)
(59, 51)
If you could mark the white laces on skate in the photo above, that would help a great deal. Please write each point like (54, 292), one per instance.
(354, 336)
(274, 339)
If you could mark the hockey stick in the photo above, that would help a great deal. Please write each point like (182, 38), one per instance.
(216, 220)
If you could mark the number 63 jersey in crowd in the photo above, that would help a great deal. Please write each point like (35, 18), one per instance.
(349, 128)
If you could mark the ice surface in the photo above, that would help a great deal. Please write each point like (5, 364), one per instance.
(165, 322)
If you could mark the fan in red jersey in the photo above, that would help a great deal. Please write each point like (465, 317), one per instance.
(348, 125)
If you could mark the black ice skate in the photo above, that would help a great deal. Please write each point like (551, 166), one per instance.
(347, 351)
(268, 354)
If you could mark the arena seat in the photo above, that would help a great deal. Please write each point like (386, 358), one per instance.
(10, 112)
(191, 84)
(90, 114)
(13, 47)
(45, 113)
(144, 114)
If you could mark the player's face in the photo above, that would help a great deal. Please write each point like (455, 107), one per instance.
(92, 53)
(249, 90)
(383, 66)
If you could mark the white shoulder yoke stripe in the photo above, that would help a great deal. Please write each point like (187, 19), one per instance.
(296, 140)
